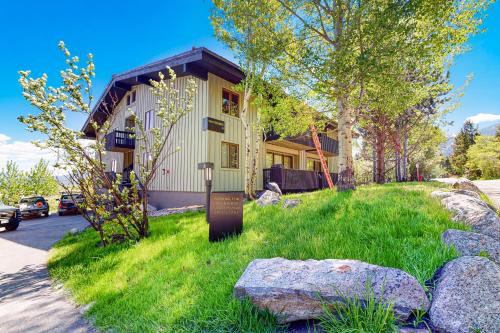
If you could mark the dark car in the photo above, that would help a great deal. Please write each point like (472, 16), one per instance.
(9, 217)
(34, 206)
(68, 204)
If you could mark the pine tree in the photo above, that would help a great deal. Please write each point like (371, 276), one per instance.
(464, 139)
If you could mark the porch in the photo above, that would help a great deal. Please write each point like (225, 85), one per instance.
(292, 180)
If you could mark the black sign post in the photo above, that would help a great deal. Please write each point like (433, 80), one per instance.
(207, 168)
(226, 215)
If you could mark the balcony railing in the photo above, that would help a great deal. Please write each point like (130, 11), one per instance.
(328, 144)
(291, 180)
(120, 141)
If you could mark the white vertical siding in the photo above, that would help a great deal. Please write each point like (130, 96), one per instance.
(229, 179)
(178, 172)
(187, 143)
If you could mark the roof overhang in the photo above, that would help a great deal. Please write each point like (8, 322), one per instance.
(197, 62)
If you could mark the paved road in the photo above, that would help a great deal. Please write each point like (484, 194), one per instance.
(491, 188)
(28, 303)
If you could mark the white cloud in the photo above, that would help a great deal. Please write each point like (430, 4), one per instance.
(24, 153)
(4, 138)
(484, 117)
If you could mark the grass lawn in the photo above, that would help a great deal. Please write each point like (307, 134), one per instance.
(176, 281)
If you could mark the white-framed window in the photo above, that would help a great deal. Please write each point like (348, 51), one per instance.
(113, 165)
(230, 103)
(131, 97)
(146, 158)
(149, 120)
(230, 155)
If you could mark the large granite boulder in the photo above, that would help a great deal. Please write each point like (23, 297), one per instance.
(474, 212)
(467, 192)
(472, 244)
(465, 184)
(459, 184)
(268, 198)
(441, 194)
(466, 297)
(272, 186)
(295, 290)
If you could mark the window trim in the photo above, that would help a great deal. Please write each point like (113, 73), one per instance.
(151, 121)
(114, 166)
(231, 93)
(221, 159)
(131, 98)
(316, 160)
(273, 152)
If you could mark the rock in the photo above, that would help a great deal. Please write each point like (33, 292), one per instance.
(151, 208)
(441, 194)
(459, 184)
(290, 203)
(413, 330)
(472, 244)
(179, 210)
(295, 290)
(475, 213)
(466, 297)
(268, 198)
(74, 231)
(465, 184)
(272, 186)
(86, 307)
(467, 192)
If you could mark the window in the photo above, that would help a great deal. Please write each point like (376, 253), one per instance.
(230, 103)
(113, 165)
(131, 98)
(230, 155)
(148, 120)
(275, 158)
(314, 165)
(146, 159)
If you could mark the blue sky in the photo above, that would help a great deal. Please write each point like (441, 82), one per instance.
(124, 34)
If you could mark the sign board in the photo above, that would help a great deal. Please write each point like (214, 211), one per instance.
(212, 124)
(226, 215)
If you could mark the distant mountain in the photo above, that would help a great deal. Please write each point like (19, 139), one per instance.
(489, 130)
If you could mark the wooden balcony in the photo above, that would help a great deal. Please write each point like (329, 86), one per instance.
(291, 180)
(328, 145)
(120, 141)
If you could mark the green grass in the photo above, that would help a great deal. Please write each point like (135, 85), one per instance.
(176, 281)
(369, 315)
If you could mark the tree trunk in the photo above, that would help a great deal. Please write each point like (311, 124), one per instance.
(397, 152)
(380, 149)
(374, 158)
(405, 155)
(346, 170)
(248, 148)
(258, 139)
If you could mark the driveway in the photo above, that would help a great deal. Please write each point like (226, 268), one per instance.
(491, 188)
(28, 303)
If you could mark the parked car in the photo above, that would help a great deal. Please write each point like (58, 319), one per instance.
(68, 203)
(9, 217)
(34, 206)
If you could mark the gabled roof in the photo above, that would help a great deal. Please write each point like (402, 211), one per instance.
(197, 62)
